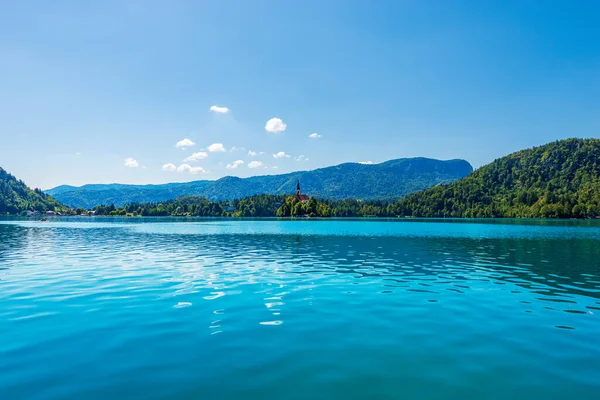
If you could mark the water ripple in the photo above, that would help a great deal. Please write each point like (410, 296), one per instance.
(298, 310)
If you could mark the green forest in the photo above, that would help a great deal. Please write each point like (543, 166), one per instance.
(265, 205)
(16, 197)
(557, 180)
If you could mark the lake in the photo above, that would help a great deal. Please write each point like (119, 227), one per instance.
(96, 308)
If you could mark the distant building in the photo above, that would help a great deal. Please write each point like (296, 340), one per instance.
(302, 197)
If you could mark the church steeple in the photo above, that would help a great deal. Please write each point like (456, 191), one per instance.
(302, 197)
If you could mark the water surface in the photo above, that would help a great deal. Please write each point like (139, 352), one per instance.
(186, 309)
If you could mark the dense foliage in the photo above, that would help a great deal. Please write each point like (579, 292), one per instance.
(16, 197)
(195, 206)
(183, 206)
(293, 207)
(557, 180)
(265, 205)
(389, 180)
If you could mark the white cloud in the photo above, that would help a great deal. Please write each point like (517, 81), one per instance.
(234, 164)
(281, 154)
(77, 153)
(182, 144)
(169, 167)
(237, 149)
(190, 169)
(366, 162)
(314, 135)
(275, 125)
(252, 153)
(216, 147)
(261, 153)
(274, 167)
(197, 156)
(255, 164)
(301, 158)
(220, 110)
(131, 163)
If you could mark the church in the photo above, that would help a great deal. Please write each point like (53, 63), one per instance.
(302, 197)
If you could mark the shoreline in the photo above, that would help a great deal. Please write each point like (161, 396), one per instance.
(374, 218)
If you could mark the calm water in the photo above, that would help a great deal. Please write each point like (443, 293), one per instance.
(222, 309)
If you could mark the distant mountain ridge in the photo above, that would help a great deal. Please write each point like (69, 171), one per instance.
(388, 180)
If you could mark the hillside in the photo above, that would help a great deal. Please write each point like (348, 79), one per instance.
(16, 197)
(389, 180)
(557, 180)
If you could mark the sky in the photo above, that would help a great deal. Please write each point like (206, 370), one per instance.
(172, 91)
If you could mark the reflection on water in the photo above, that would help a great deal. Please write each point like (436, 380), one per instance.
(340, 309)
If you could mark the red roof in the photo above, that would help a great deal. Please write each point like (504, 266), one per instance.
(303, 197)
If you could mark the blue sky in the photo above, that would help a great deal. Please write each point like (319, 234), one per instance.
(100, 92)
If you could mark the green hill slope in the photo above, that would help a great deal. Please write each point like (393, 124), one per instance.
(557, 180)
(16, 197)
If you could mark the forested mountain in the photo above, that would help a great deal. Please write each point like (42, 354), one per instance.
(557, 180)
(16, 197)
(389, 180)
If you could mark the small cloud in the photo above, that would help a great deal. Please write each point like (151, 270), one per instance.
(197, 156)
(261, 153)
(190, 169)
(275, 125)
(237, 149)
(314, 135)
(182, 144)
(216, 147)
(366, 162)
(169, 167)
(281, 154)
(274, 167)
(301, 158)
(252, 153)
(255, 164)
(131, 163)
(78, 154)
(234, 164)
(220, 110)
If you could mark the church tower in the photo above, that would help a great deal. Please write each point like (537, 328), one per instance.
(302, 197)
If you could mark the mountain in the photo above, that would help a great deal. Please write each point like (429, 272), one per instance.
(388, 180)
(559, 180)
(16, 197)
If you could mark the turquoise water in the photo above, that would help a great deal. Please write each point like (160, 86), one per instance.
(224, 309)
